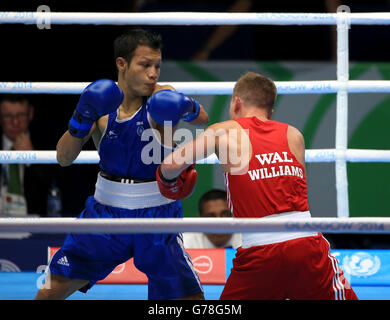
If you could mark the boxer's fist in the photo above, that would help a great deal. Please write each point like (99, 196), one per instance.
(171, 106)
(192, 109)
(99, 98)
(179, 188)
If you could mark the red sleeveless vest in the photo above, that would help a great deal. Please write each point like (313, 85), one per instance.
(275, 181)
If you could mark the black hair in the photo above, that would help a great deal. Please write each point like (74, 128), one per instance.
(214, 194)
(14, 98)
(126, 44)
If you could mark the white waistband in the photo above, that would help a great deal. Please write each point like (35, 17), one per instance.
(129, 196)
(263, 238)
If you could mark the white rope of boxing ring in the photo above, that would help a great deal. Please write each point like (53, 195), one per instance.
(340, 155)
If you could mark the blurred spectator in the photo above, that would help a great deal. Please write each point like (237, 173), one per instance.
(212, 204)
(203, 42)
(24, 187)
(246, 42)
(223, 32)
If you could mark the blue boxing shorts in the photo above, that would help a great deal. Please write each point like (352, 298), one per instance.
(161, 257)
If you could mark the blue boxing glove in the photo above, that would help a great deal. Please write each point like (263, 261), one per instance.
(99, 98)
(169, 105)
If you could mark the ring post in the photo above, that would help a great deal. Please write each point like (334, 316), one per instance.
(343, 24)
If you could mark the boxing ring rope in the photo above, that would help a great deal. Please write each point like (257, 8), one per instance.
(343, 19)
(190, 18)
(208, 225)
(92, 157)
(208, 87)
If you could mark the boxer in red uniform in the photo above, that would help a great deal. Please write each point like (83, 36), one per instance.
(264, 168)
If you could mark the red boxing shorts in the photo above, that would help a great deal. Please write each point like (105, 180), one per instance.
(296, 269)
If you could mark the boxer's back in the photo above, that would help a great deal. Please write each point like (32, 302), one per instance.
(274, 181)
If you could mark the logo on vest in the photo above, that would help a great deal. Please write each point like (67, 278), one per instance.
(140, 129)
(112, 135)
(281, 167)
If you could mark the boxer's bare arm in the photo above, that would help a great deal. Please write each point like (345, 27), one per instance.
(225, 139)
(233, 147)
(69, 147)
(202, 147)
(296, 143)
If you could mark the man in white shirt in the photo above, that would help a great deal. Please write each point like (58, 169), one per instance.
(212, 204)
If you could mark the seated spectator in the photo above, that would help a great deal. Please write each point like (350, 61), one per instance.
(24, 187)
(212, 204)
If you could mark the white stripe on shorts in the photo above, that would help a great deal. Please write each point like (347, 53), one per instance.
(337, 283)
(229, 200)
(179, 239)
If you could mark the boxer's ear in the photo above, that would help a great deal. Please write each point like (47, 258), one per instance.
(121, 64)
(237, 104)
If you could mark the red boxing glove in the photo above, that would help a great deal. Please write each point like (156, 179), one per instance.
(179, 188)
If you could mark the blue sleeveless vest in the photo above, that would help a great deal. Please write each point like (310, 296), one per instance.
(130, 149)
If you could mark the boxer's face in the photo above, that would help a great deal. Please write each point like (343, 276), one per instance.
(143, 71)
(216, 209)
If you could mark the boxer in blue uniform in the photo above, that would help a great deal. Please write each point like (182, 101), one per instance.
(116, 116)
